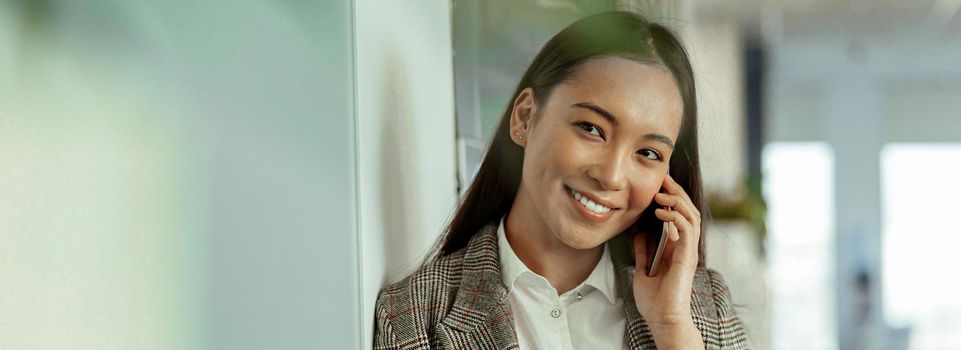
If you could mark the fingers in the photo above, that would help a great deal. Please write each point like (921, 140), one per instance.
(680, 204)
(683, 224)
(687, 239)
(677, 220)
(673, 234)
(673, 187)
(678, 199)
(685, 217)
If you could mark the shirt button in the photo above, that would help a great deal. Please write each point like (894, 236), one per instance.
(555, 313)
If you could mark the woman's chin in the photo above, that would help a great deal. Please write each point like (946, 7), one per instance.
(579, 242)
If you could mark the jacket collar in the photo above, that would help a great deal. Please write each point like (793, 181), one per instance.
(482, 299)
(638, 333)
(481, 290)
(480, 316)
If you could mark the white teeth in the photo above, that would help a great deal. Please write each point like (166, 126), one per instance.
(589, 204)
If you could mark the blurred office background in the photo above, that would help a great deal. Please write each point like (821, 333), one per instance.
(247, 175)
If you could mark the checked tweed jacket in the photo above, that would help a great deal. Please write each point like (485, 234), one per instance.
(459, 302)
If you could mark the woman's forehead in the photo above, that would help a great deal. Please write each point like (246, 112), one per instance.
(640, 92)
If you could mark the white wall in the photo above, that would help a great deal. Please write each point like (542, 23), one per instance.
(716, 55)
(177, 175)
(405, 135)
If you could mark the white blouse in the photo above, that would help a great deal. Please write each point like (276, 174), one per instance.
(590, 316)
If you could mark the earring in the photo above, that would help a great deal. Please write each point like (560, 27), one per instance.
(519, 135)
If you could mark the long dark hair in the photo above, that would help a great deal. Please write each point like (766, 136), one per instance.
(620, 34)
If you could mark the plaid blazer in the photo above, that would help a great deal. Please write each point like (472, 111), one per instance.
(459, 302)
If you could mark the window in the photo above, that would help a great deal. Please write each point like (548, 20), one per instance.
(799, 189)
(921, 187)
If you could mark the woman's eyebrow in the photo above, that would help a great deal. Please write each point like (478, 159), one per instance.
(597, 109)
(610, 117)
(658, 137)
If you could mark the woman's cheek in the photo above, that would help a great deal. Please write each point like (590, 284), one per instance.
(646, 191)
(568, 153)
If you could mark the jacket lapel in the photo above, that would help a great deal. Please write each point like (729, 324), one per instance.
(638, 333)
(480, 317)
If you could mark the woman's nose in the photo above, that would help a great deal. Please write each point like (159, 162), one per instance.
(609, 172)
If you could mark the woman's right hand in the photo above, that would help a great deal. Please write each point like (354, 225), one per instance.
(665, 298)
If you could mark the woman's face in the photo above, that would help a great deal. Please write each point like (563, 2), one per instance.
(606, 134)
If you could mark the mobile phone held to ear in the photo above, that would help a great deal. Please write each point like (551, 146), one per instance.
(655, 258)
(656, 233)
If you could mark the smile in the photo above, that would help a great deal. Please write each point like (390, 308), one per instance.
(590, 209)
(589, 204)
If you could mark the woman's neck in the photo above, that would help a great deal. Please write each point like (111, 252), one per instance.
(540, 250)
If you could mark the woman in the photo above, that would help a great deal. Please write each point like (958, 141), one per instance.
(541, 252)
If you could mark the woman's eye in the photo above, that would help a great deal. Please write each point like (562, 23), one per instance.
(591, 129)
(650, 154)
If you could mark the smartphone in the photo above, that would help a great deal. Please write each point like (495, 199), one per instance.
(656, 233)
(655, 259)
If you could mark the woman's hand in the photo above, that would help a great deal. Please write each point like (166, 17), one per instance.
(665, 299)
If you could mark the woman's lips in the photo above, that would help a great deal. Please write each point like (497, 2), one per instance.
(587, 213)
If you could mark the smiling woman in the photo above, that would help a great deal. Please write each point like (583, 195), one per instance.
(618, 162)
(541, 252)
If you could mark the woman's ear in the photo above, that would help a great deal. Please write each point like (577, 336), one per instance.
(522, 116)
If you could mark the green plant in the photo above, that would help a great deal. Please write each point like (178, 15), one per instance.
(744, 203)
